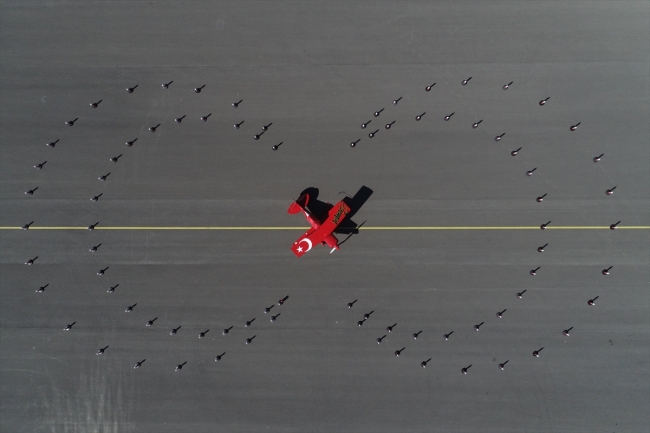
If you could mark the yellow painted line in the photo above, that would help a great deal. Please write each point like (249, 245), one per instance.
(362, 228)
(157, 228)
(509, 228)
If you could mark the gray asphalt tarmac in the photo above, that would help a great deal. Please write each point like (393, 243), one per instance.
(317, 71)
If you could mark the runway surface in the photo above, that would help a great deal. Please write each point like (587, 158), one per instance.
(194, 231)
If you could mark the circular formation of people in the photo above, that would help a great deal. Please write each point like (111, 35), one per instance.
(103, 177)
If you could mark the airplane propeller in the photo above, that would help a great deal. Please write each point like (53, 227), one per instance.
(355, 231)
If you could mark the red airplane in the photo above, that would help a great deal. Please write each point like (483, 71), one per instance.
(320, 232)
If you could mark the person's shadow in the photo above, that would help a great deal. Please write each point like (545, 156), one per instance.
(320, 209)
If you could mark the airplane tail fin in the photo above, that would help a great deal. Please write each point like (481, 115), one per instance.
(299, 204)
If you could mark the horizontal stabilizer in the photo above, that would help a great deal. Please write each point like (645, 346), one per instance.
(299, 204)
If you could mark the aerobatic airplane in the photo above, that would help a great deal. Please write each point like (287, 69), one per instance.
(320, 231)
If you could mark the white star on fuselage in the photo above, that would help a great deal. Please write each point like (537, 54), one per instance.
(300, 249)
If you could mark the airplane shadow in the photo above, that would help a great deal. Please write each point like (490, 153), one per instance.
(320, 209)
